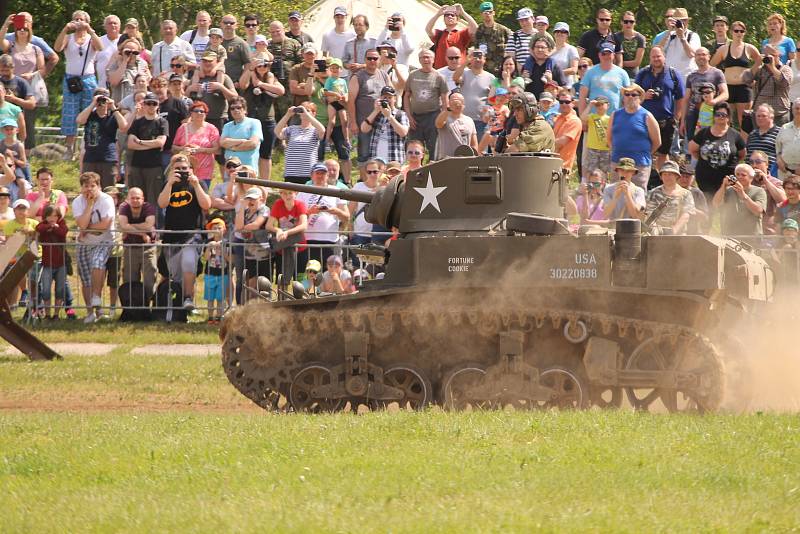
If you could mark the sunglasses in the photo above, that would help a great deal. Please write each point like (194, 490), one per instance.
(738, 31)
(228, 22)
(633, 94)
(414, 153)
(151, 103)
(251, 25)
(131, 53)
(199, 111)
(232, 166)
(372, 58)
(721, 115)
(567, 102)
(373, 172)
(604, 20)
(757, 161)
(176, 65)
(629, 22)
(5, 195)
(583, 66)
(453, 57)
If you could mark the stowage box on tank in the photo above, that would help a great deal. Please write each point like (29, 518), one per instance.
(490, 299)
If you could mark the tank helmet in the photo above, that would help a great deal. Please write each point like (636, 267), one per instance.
(527, 101)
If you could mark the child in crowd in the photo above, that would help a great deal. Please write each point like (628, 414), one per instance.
(22, 224)
(52, 236)
(313, 279)
(216, 274)
(546, 107)
(597, 153)
(705, 114)
(336, 94)
(14, 148)
(495, 116)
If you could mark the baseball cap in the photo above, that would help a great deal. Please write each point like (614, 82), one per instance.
(132, 22)
(605, 46)
(313, 265)
(340, 11)
(720, 18)
(335, 61)
(260, 39)
(561, 27)
(253, 192)
(295, 15)
(309, 48)
(175, 77)
(210, 55)
(686, 169)
(524, 13)
(392, 165)
(233, 159)
(670, 166)
(386, 44)
(216, 221)
(21, 203)
(216, 31)
(541, 19)
(150, 97)
(602, 99)
(788, 224)
(546, 95)
(626, 164)
(388, 90)
(8, 121)
(486, 6)
(319, 167)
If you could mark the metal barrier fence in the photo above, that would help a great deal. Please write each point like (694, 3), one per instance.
(149, 277)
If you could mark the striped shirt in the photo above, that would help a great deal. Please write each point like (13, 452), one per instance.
(764, 142)
(301, 150)
(518, 45)
(385, 142)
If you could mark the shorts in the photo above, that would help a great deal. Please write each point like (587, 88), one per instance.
(340, 143)
(596, 159)
(112, 271)
(216, 286)
(182, 258)
(337, 106)
(257, 267)
(92, 257)
(74, 103)
(740, 94)
(667, 129)
(265, 149)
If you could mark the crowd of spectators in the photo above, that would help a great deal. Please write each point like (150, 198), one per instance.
(700, 129)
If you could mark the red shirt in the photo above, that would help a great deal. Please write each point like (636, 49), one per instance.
(458, 38)
(288, 219)
(52, 254)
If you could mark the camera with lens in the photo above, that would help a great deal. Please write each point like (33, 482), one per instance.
(298, 110)
(183, 175)
(767, 60)
(101, 100)
(256, 91)
(732, 179)
(394, 24)
(278, 68)
(679, 23)
(391, 55)
(384, 103)
(658, 92)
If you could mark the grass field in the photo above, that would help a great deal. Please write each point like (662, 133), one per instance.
(164, 444)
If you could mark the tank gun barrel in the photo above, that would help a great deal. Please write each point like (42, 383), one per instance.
(346, 194)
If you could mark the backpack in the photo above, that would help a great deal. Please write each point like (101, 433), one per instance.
(134, 306)
(168, 301)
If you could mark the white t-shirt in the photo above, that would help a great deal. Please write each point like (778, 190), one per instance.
(564, 58)
(102, 58)
(322, 226)
(403, 45)
(76, 55)
(333, 43)
(103, 208)
(360, 224)
(447, 74)
(200, 42)
(163, 53)
(675, 56)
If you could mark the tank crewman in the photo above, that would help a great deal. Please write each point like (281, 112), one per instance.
(535, 134)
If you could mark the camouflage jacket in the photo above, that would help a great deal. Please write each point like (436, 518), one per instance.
(536, 136)
(493, 43)
(288, 50)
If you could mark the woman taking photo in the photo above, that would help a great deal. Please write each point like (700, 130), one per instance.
(124, 68)
(734, 59)
(29, 65)
(200, 139)
(261, 89)
(717, 150)
(302, 141)
(80, 45)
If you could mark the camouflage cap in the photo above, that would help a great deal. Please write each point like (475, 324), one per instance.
(625, 164)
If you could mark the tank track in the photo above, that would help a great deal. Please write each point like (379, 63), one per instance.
(261, 357)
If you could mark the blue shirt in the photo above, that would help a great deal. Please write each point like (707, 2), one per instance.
(35, 41)
(630, 137)
(243, 130)
(606, 83)
(672, 86)
(785, 47)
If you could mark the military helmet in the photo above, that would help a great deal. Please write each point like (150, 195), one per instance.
(528, 103)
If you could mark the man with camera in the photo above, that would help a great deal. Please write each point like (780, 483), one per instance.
(664, 91)
(450, 35)
(102, 120)
(184, 198)
(146, 137)
(301, 77)
(679, 43)
(286, 53)
(742, 205)
(325, 214)
(365, 88)
(771, 83)
(389, 127)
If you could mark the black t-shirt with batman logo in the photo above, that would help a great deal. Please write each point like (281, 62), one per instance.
(183, 212)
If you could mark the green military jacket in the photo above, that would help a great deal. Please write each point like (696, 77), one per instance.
(493, 43)
(536, 136)
(289, 51)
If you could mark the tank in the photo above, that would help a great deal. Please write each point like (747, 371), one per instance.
(490, 299)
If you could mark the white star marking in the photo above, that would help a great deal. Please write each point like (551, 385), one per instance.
(429, 194)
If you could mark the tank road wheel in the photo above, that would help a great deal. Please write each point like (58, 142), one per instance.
(605, 398)
(455, 383)
(416, 387)
(571, 390)
(309, 377)
(686, 356)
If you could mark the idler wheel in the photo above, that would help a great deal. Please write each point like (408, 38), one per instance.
(416, 387)
(569, 389)
(455, 386)
(301, 390)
